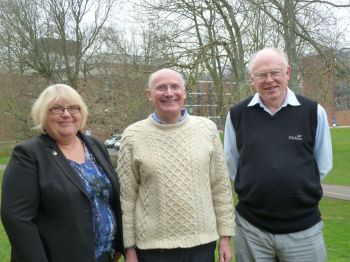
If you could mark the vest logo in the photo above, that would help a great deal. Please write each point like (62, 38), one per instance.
(297, 137)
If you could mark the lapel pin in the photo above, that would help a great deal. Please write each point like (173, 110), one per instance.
(54, 153)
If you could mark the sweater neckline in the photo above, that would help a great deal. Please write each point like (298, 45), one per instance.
(168, 126)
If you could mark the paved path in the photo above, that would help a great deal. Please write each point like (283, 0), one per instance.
(332, 191)
(335, 191)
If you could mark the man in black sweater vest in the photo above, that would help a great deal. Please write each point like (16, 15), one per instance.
(277, 149)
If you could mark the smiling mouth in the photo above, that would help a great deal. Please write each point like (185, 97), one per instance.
(271, 88)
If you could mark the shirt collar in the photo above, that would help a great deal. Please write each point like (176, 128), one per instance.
(290, 99)
(184, 115)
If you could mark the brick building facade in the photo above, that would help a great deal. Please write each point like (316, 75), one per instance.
(327, 80)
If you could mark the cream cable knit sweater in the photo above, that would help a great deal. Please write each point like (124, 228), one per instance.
(175, 190)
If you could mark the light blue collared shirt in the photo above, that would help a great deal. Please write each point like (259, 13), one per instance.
(323, 144)
(184, 115)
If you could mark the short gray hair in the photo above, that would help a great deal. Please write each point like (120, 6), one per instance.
(278, 51)
(48, 97)
(154, 75)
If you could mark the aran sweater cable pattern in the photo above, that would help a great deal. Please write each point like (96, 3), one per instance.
(175, 190)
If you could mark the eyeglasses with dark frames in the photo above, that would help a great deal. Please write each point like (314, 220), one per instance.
(59, 109)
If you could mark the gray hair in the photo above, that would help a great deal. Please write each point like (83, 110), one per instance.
(278, 51)
(155, 74)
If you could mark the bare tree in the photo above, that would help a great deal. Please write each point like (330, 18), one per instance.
(17, 95)
(205, 37)
(334, 3)
(121, 74)
(52, 37)
(303, 26)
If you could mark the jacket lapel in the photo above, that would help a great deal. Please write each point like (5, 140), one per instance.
(62, 162)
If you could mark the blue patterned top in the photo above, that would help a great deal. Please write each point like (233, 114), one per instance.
(99, 190)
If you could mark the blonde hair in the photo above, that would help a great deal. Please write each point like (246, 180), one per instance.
(48, 97)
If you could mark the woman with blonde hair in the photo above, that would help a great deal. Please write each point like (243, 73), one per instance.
(60, 192)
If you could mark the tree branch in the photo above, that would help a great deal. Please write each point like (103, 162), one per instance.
(326, 2)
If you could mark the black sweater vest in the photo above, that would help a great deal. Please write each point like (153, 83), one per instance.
(277, 181)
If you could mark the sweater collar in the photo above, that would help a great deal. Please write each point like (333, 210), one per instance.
(169, 126)
(155, 117)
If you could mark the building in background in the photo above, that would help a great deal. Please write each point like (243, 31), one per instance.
(327, 80)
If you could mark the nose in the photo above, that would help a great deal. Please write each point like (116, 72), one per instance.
(66, 112)
(269, 77)
(168, 90)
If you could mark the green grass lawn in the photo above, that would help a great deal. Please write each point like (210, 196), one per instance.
(5, 152)
(340, 174)
(4, 159)
(336, 217)
(4, 243)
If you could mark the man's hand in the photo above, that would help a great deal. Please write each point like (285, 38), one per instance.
(130, 255)
(225, 253)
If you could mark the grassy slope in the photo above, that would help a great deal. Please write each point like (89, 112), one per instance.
(4, 159)
(336, 217)
(340, 173)
(4, 243)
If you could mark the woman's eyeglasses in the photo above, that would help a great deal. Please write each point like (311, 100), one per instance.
(59, 109)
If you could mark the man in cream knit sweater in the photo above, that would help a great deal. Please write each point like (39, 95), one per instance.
(175, 191)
